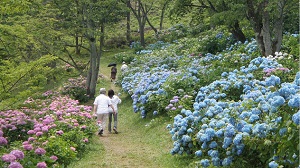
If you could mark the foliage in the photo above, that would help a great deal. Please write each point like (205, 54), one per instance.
(76, 89)
(124, 57)
(19, 80)
(51, 130)
(236, 102)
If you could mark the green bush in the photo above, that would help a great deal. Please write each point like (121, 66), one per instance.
(76, 89)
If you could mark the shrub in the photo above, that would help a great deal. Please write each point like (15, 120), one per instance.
(76, 89)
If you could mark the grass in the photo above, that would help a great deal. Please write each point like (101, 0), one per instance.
(140, 143)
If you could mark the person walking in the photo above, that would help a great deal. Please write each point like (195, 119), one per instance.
(124, 67)
(113, 73)
(113, 110)
(101, 105)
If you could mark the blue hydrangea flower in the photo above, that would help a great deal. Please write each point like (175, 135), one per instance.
(296, 118)
(227, 161)
(205, 162)
(282, 131)
(294, 101)
(237, 139)
(213, 144)
(273, 164)
(198, 153)
(277, 101)
(272, 81)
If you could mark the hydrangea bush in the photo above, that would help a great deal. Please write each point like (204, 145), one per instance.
(233, 108)
(52, 130)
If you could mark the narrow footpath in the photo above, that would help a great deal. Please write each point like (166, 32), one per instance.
(133, 147)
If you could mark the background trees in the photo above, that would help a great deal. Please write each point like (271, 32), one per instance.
(265, 18)
(62, 33)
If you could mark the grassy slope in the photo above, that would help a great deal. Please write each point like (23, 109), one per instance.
(140, 143)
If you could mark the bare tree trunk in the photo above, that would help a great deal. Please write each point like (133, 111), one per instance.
(162, 15)
(76, 34)
(266, 32)
(237, 32)
(153, 28)
(255, 19)
(278, 28)
(100, 50)
(93, 69)
(128, 33)
(142, 34)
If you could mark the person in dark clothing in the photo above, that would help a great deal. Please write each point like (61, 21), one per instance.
(113, 73)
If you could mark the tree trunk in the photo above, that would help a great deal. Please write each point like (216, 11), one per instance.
(153, 28)
(255, 19)
(77, 44)
(162, 15)
(100, 49)
(237, 32)
(91, 89)
(128, 33)
(278, 28)
(142, 34)
(266, 32)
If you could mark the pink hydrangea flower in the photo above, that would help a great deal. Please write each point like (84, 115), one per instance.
(72, 148)
(85, 140)
(53, 157)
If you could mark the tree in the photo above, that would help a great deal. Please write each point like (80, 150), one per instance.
(164, 4)
(140, 10)
(265, 16)
(218, 12)
(98, 14)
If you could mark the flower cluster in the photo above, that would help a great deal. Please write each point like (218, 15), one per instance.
(52, 115)
(223, 126)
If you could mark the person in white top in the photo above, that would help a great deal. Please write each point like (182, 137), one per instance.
(115, 100)
(101, 105)
(124, 67)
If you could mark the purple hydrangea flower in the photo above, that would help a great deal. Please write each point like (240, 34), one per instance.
(3, 141)
(60, 132)
(30, 132)
(15, 165)
(40, 151)
(17, 153)
(39, 133)
(28, 147)
(41, 165)
(8, 158)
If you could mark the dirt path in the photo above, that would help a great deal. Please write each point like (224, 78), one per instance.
(131, 147)
(125, 149)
